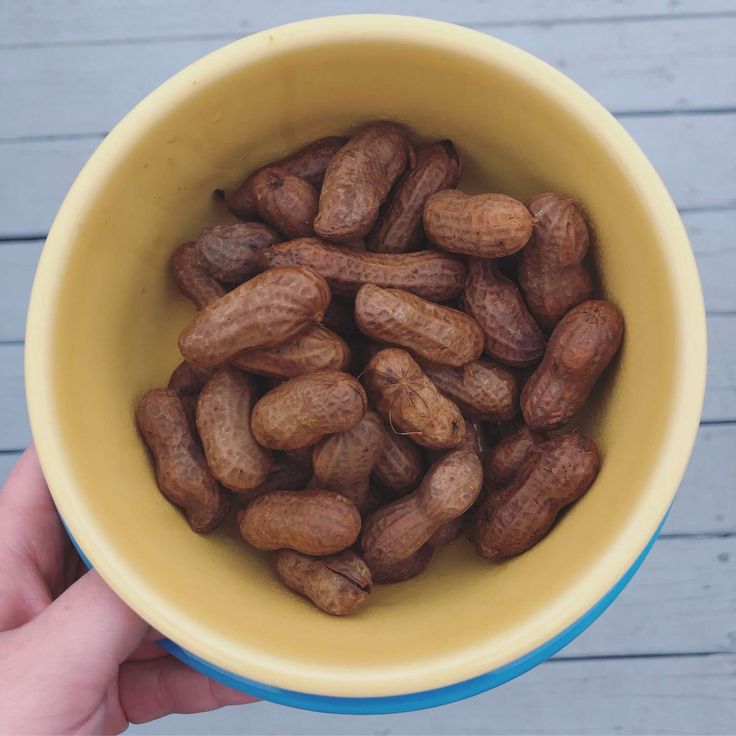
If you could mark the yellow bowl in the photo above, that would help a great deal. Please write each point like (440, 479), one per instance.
(105, 315)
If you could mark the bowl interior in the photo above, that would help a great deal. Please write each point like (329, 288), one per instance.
(106, 315)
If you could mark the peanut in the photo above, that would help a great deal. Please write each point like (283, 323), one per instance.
(188, 380)
(181, 471)
(313, 522)
(429, 274)
(223, 420)
(229, 253)
(556, 474)
(580, 347)
(485, 225)
(504, 460)
(372, 500)
(398, 530)
(399, 466)
(511, 334)
(405, 569)
(470, 442)
(265, 311)
(447, 533)
(551, 275)
(343, 461)
(433, 332)
(400, 227)
(409, 401)
(196, 285)
(285, 201)
(284, 476)
(359, 178)
(301, 456)
(312, 349)
(338, 584)
(302, 410)
(483, 390)
(308, 163)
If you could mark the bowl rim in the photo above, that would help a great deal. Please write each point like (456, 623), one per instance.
(689, 319)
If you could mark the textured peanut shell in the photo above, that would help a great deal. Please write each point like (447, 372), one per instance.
(193, 282)
(581, 346)
(483, 390)
(556, 474)
(399, 466)
(181, 471)
(343, 461)
(338, 584)
(359, 178)
(511, 334)
(470, 442)
(230, 253)
(308, 163)
(400, 227)
(439, 334)
(399, 529)
(484, 225)
(283, 476)
(265, 311)
(410, 402)
(188, 380)
(552, 276)
(314, 348)
(405, 569)
(286, 202)
(429, 274)
(313, 522)
(504, 459)
(223, 422)
(302, 410)
(447, 533)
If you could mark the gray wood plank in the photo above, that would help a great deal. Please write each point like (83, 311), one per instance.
(15, 433)
(17, 267)
(698, 176)
(720, 394)
(70, 21)
(671, 695)
(628, 66)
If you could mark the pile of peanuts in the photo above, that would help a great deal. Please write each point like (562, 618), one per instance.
(357, 334)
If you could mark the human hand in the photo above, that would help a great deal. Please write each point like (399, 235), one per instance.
(75, 658)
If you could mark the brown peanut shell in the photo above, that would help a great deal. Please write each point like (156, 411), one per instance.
(433, 332)
(405, 569)
(399, 467)
(283, 476)
(286, 202)
(503, 461)
(193, 282)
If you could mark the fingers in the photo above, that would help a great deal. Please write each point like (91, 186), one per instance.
(89, 629)
(150, 690)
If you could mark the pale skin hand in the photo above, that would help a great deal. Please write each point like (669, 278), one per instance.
(75, 658)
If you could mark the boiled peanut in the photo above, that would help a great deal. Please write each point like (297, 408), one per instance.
(313, 522)
(340, 320)
(343, 461)
(308, 163)
(429, 274)
(312, 349)
(581, 346)
(551, 275)
(400, 226)
(265, 311)
(223, 421)
(447, 533)
(399, 466)
(188, 380)
(470, 442)
(447, 491)
(506, 458)
(285, 201)
(556, 474)
(302, 410)
(485, 225)
(404, 569)
(193, 282)
(511, 334)
(283, 476)
(373, 499)
(439, 334)
(483, 390)
(409, 401)
(338, 584)
(230, 253)
(181, 471)
(301, 456)
(358, 179)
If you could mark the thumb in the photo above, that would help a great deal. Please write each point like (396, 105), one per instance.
(89, 629)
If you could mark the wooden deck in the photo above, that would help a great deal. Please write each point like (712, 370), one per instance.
(662, 660)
